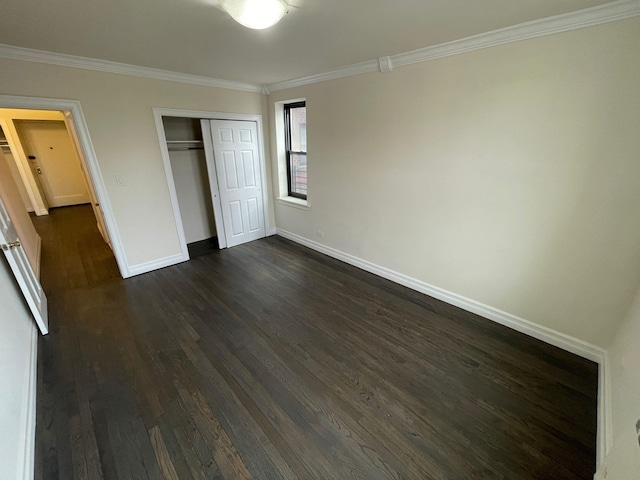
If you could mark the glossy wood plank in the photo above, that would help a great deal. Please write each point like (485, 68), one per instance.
(269, 361)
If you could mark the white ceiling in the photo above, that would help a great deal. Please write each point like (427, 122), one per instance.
(316, 36)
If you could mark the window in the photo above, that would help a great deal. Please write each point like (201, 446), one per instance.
(295, 138)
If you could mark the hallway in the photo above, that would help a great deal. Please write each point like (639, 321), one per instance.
(74, 255)
(269, 361)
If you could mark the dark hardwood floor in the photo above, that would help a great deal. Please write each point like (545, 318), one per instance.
(269, 361)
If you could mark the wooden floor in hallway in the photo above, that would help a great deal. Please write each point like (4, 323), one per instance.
(269, 361)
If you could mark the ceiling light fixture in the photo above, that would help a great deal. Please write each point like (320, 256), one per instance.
(256, 14)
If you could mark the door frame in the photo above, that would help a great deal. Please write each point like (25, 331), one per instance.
(76, 119)
(36, 197)
(158, 113)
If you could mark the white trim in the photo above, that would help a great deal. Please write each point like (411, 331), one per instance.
(571, 344)
(158, 113)
(168, 171)
(369, 66)
(22, 164)
(38, 257)
(147, 267)
(605, 414)
(547, 335)
(385, 64)
(27, 450)
(41, 56)
(89, 155)
(609, 12)
(294, 202)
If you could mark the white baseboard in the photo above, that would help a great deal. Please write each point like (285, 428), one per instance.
(146, 267)
(547, 335)
(28, 435)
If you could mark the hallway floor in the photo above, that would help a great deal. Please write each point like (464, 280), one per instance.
(270, 361)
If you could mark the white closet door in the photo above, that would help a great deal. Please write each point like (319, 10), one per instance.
(237, 164)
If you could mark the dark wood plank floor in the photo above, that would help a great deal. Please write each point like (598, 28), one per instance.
(270, 361)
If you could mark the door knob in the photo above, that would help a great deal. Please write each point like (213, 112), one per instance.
(8, 246)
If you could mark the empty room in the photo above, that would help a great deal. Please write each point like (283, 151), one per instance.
(316, 239)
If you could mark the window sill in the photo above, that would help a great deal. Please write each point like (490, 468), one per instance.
(294, 202)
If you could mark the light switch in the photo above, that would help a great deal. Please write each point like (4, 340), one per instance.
(120, 181)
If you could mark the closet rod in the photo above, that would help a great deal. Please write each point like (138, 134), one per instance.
(175, 149)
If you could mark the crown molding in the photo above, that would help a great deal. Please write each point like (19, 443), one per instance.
(40, 56)
(355, 69)
(588, 17)
(610, 12)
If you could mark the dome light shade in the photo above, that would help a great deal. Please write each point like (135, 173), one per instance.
(256, 14)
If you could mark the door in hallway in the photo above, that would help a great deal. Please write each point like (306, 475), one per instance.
(21, 268)
(55, 162)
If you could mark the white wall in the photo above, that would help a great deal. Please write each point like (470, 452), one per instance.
(118, 111)
(623, 461)
(194, 195)
(507, 175)
(17, 374)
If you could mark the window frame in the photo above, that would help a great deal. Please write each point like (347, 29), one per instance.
(287, 146)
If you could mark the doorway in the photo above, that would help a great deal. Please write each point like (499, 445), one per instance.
(53, 161)
(39, 151)
(60, 117)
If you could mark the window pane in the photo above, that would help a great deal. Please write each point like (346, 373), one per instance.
(298, 173)
(298, 117)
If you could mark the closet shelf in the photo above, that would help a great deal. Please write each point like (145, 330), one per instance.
(188, 142)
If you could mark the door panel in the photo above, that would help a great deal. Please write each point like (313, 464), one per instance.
(235, 210)
(21, 268)
(236, 155)
(230, 170)
(254, 215)
(56, 162)
(249, 169)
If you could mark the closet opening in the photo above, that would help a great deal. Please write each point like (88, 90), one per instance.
(215, 169)
(192, 184)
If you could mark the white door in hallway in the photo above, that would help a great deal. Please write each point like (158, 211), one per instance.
(237, 165)
(55, 161)
(21, 268)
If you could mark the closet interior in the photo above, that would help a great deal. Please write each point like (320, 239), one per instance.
(191, 179)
